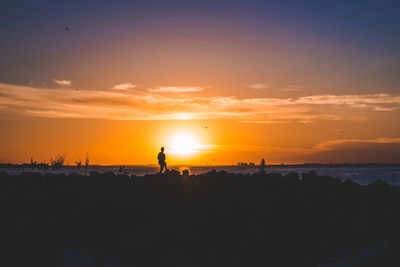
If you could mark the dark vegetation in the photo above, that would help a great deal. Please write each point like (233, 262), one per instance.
(214, 219)
(56, 164)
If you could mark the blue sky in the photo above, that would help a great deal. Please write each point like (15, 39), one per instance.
(33, 31)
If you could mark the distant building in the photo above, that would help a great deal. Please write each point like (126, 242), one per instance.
(245, 164)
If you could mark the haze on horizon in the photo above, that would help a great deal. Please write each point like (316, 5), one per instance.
(288, 81)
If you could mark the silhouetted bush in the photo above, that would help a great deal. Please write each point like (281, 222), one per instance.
(57, 162)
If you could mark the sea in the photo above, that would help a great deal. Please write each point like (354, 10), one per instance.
(361, 174)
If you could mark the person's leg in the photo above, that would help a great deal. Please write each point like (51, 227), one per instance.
(161, 167)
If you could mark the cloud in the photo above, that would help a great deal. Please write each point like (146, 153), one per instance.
(291, 88)
(117, 105)
(378, 108)
(174, 89)
(62, 82)
(351, 100)
(267, 122)
(331, 144)
(377, 102)
(123, 86)
(258, 86)
(377, 150)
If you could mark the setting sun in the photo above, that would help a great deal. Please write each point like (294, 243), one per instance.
(183, 143)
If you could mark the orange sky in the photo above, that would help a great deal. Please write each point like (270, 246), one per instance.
(128, 125)
(292, 83)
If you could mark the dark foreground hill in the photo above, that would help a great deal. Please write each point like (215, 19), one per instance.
(214, 219)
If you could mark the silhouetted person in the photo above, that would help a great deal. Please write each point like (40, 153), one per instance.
(161, 160)
(262, 166)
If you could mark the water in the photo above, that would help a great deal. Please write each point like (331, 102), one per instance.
(363, 175)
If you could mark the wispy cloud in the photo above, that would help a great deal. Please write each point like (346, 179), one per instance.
(267, 122)
(351, 100)
(117, 105)
(63, 82)
(123, 86)
(378, 108)
(258, 86)
(331, 144)
(340, 151)
(292, 88)
(174, 89)
(378, 102)
(337, 151)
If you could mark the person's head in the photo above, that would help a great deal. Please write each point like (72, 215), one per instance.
(162, 149)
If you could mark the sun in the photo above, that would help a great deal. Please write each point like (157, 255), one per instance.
(183, 143)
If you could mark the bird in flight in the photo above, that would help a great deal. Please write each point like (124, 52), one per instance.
(66, 28)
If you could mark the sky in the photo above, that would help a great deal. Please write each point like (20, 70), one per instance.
(215, 82)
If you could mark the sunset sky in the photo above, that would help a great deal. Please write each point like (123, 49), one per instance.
(215, 82)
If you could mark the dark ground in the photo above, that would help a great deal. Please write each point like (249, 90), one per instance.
(214, 219)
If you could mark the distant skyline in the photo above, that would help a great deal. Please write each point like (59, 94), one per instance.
(288, 81)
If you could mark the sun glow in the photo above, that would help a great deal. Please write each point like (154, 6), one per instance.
(183, 143)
